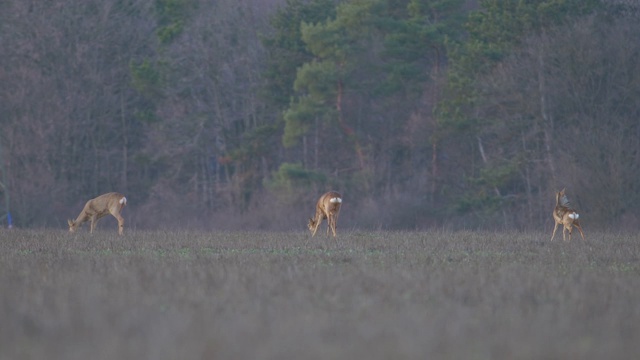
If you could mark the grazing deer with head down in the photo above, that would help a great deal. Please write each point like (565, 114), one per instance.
(564, 215)
(327, 207)
(95, 209)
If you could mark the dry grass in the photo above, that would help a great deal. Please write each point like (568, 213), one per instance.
(373, 295)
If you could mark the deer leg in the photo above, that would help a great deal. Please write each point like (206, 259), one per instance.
(94, 220)
(554, 231)
(579, 229)
(333, 224)
(569, 230)
(120, 224)
(315, 227)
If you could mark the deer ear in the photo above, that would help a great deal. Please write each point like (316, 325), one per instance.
(70, 222)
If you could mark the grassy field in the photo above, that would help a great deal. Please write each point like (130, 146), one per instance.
(369, 295)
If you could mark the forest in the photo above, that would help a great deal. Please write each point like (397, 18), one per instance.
(234, 114)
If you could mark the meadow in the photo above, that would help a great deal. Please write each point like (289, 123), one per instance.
(366, 295)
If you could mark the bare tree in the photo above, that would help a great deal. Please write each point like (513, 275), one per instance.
(561, 111)
(68, 98)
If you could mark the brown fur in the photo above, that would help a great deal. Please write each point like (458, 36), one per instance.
(100, 207)
(325, 209)
(564, 215)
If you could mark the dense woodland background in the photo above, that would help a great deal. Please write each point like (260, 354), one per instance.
(239, 113)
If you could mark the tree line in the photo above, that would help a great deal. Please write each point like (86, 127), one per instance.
(232, 114)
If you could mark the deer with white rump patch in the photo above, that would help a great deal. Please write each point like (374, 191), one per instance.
(95, 209)
(566, 216)
(327, 207)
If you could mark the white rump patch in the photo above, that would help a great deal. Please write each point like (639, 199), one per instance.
(123, 201)
(336, 200)
(574, 216)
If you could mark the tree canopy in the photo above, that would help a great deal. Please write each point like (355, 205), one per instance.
(227, 114)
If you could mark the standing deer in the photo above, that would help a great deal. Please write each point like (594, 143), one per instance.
(95, 209)
(327, 207)
(564, 215)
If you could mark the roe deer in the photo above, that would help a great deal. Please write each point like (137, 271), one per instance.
(566, 216)
(110, 203)
(328, 207)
